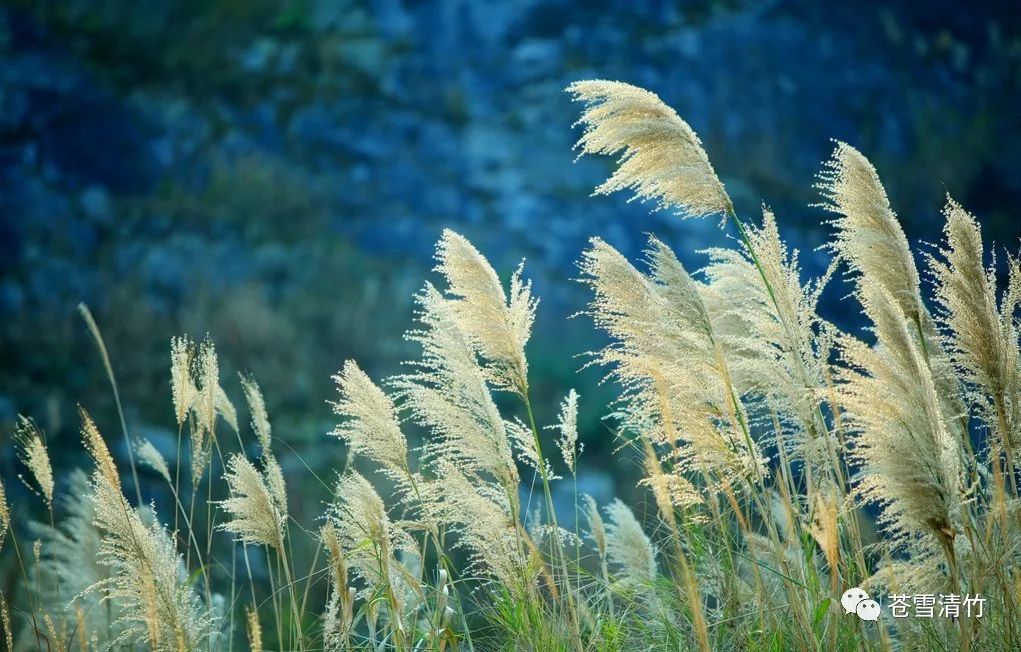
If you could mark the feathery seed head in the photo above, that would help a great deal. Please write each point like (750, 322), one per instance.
(627, 545)
(981, 338)
(911, 462)
(869, 237)
(660, 157)
(782, 356)
(254, 515)
(257, 408)
(370, 541)
(33, 454)
(596, 527)
(132, 551)
(676, 378)
(567, 426)
(5, 622)
(275, 482)
(151, 457)
(670, 489)
(479, 513)
(97, 449)
(254, 629)
(447, 392)
(5, 514)
(339, 605)
(183, 390)
(208, 373)
(371, 427)
(497, 327)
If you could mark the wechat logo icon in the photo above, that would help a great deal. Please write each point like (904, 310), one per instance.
(857, 601)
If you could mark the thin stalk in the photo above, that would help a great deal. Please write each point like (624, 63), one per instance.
(90, 322)
(558, 545)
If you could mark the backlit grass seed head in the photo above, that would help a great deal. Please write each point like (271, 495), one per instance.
(5, 622)
(257, 408)
(33, 454)
(627, 546)
(868, 235)
(183, 389)
(274, 476)
(781, 357)
(253, 629)
(596, 526)
(670, 490)
(212, 401)
(371, 542)
(5, 514)
(677, 387)
(981, 337)
(447, 393)
(338, 616)
(70, 561)
(148, 455)
(567, 429)
(479, 513)
(253, 513)
(911, 463)
(660, 157)
(499, 327)
(97, 449)
(132, 550)
(371, 427)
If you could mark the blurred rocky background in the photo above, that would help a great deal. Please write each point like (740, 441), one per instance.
(275, 174)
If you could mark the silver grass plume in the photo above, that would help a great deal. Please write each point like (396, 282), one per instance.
(869, 237)
(371, 427)
(254, 513)
(182, 386)
(480, 514)
(371, 543)
(70, 565)
(191, 365)
(498, 326)
(257, 408)
(776, 331)
(447, 393)
(660, 157)
(911, 463)
(132, 550)
(339, 614)
(567, 428)
(271, 470)
(596, 526)
(670, 489)
(33, 454)
(212, 400)
(677, 386)
(149, 456)
(872, 242)
(5, 514)
(627, 546)
(981, 334)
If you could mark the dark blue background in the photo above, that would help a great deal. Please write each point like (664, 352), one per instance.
(276, 174)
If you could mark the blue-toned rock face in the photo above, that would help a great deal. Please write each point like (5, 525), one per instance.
(277, 177)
